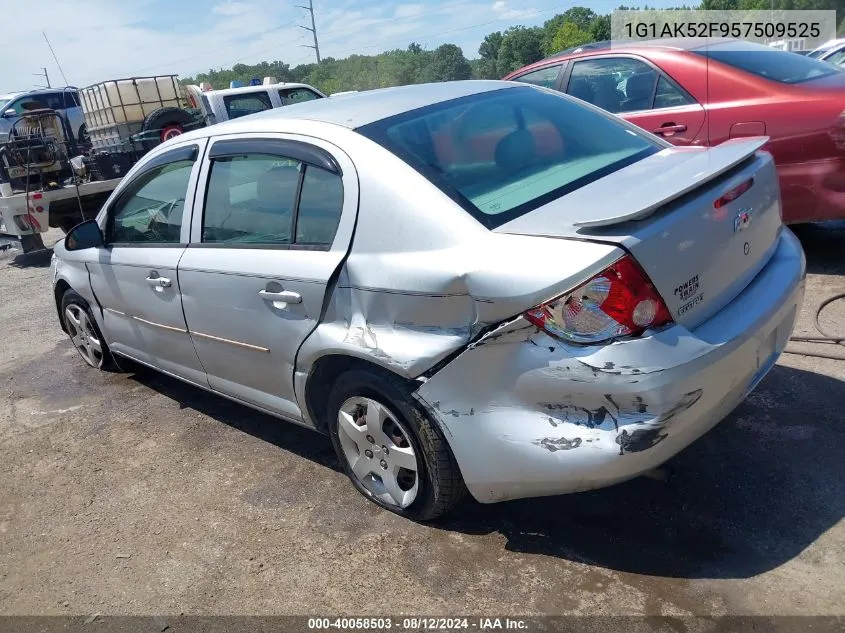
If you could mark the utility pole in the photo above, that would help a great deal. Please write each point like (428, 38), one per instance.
(312, 28)
(45, 75)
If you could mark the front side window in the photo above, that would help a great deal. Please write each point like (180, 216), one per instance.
(150, 210)
(297, 95)
(546, 77)
(767, 62)
(502, 153)
(245, 104)
(28, 104)
(616, 84)
(264, 199)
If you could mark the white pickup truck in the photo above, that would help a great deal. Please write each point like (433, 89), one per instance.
(42, 185)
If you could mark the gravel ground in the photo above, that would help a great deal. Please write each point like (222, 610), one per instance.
(135, 494)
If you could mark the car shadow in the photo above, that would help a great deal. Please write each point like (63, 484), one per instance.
(290, 437)
(823, 246)
(754, 493)
(35, 259)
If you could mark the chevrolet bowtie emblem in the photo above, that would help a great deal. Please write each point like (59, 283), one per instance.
(742, 220)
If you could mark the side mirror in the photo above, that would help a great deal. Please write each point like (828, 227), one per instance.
(10, 113)
(84, 235)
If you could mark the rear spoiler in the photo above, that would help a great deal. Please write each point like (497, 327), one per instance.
(706, 165)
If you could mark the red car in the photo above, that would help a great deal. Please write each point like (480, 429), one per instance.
(692, 93)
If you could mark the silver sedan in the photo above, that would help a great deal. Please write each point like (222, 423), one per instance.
(468, 286)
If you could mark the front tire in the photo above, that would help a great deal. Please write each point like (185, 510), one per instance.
(84, 333)
(393, 454)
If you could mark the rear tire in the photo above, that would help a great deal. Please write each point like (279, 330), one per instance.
(384, 430)
(84, 333)
(163, 124)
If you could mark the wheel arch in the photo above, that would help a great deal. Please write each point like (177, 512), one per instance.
(325, 371)
(59, 291)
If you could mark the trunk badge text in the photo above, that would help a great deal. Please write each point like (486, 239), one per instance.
(742, 220)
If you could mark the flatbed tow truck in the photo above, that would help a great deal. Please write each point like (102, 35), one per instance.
(49, 179)
(40, 186)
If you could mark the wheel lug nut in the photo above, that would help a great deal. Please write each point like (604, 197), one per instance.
(384, 464)
(370, 439)
(385, 451)
(368, 453)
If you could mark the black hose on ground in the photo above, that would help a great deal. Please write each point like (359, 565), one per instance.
(825, 338)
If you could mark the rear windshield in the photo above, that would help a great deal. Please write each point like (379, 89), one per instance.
(502, 153)
(768, 62)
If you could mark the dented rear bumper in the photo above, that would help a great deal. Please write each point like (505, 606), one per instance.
(527, 416)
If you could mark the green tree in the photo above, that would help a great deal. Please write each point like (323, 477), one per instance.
(581, 16)
(569, 35)
(448, 64)
(489, 48)
(600, 28)
(520, 46)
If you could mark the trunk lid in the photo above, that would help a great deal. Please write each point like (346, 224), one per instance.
(662, 210)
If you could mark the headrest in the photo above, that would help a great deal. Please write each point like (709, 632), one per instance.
(640, 86)
(516, 150)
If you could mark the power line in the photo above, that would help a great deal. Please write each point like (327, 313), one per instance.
(313, 29)
(56, 59)
(241, 37)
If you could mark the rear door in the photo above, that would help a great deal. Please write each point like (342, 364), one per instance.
(135, 278)
(273, 223)
(641, 93)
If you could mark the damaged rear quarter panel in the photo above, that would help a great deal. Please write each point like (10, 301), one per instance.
(526, 415)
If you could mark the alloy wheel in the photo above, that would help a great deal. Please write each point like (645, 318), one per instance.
(83, 335)
(379, 452)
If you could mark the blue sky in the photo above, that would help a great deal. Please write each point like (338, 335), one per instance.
(105, 39)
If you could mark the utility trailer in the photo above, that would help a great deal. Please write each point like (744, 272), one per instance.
(47, 179)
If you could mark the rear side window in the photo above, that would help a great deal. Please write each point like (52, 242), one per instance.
(502, 153)
(546, 77)
(245, 104)
(54, 100)
(297, 95)
(769, 63)
(270, 200)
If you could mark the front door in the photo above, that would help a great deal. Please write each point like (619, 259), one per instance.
(135, 278)
(275, 224)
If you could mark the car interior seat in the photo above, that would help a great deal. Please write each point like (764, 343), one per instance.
(580, 88)
(516, 150)
(607, 95)
(639, 90)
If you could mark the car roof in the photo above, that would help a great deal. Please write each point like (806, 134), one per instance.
(665, 44)
(35, 91)
(233, 91)
(361, 108)
(830, 44)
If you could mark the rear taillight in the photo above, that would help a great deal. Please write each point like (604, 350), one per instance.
(619, 301)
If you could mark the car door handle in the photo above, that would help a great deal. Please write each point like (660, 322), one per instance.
(161, 282)
(670, 128)
(285, 296)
